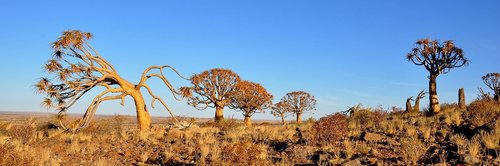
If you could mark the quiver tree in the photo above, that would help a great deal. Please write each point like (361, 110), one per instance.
(461, 98)
(421, 95)
(298, 102)
(437, 58)
(250, 98)
(408, 104)
(281, 110)
(78, 68)
(492, 80)
(212, 88)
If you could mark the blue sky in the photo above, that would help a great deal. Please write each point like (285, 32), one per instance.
(343, 52)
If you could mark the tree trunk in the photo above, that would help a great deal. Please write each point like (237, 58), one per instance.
(408, 105)
(496, 96)
(461, 98)
(283, 119)
(248, 121)
(299, 118)
(433, 97)
(416, 107)
(219, 114)
(143, 117)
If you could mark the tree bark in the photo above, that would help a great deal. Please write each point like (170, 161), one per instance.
(408, 105)
(143, 117)
(433, 96)
(461, 98)
(416, 107)
(283, 119)
(299, 118)
(219, 114)
(248, 121)
(496, 96)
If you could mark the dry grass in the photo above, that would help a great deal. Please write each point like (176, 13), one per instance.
(398, 139)
(412, 150)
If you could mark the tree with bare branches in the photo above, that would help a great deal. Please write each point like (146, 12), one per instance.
(281, 110)
(421, 95)
(250, 98)
(437, 58)
(298, 102)
(408, 104)
(212, 88)
(78, 68)
(492, 80)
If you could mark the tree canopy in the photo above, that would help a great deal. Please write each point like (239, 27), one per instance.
(250, 97)
(212, 88)
(78, 68)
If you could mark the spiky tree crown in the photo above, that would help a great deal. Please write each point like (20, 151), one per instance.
(437, 58)
(250, 97)
(211, 87)
(75, 67)
(492, 80)
(299, 101)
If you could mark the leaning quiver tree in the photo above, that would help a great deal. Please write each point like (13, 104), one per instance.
(78, 68)
(437, 58)
(298, 102)
(250, 98)
(492, 80)
(212, 88)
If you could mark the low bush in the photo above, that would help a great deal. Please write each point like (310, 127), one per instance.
(483, 112)
(245, 153)
(331, 128)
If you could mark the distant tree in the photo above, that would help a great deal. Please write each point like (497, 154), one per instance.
(212, 88)
(437, 59)
(79, 68)
(250, 98)
(281, 110)
(298, 102)
(461, 98)
(409, 108)
(421, 95)
(492, 80)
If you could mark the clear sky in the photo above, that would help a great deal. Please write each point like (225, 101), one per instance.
(343, 52)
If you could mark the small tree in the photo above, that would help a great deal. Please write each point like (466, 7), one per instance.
(408, 104)
(79, 68)
(492, 80)
(421, 95)
(281, 110)
(437, 59)
(212, 88)
(298, 102)
(250, 98)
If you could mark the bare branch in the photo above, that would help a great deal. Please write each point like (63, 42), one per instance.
(162, 102)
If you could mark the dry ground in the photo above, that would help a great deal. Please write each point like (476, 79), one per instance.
(369, 137)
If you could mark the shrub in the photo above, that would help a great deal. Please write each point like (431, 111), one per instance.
(244, 153)
(363, 117)
(482, 112)
(412, 150)
(379, 116)
(330, 129)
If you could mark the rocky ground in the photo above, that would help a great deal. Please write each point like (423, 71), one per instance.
(368, 137)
